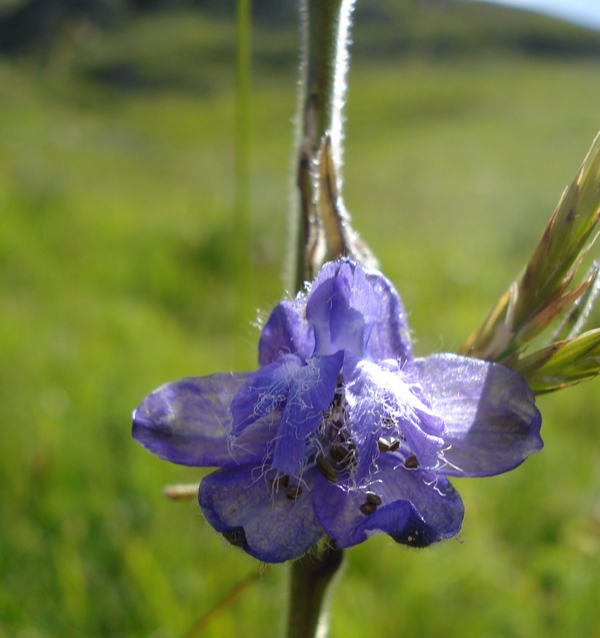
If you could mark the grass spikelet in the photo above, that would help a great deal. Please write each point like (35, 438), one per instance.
(543, 292)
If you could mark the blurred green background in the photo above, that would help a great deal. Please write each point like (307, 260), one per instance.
(464, 124)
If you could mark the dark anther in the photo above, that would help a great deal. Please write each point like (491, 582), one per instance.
(382, 445)
(349, 461)
(344, 454)
(281, 480)
(338, 452)
(293, 492)
(367, 508)
(325, 468)
(411, 462)
(373, 498)
(371, 503)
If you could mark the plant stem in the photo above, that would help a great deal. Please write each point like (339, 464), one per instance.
(311, 580)
(241, 237)
(325, 31)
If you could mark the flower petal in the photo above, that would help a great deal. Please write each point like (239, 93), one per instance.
(311, 392)
(381, 397)
(264, 391)
(390, 336)
(417, 508)
(188, 422)
(492, 424)
(286, 332)
(359, 311)
(337, 324)
(258, 515)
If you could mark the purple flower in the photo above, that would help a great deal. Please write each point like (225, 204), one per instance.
(341, 431)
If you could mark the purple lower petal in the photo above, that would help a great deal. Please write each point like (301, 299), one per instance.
(264, 518)
(492, 424)
(286, 332)
(417, 508)
(188, 422)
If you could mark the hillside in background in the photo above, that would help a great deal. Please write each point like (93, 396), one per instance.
(451, 27)
(384, 27)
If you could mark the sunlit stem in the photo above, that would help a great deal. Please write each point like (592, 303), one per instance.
(312, 580)
(241, 253)
(323, 69)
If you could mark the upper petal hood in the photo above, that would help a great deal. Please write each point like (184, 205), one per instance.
(359, 311)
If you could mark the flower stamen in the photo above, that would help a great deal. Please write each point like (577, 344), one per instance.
(293, 492)
(326, 469)
(388, 446)
(372, 502)
(281, 480)
(411, 462)
(344, 454)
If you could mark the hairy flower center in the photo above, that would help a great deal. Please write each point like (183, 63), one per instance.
(335, 454)
(334, 450)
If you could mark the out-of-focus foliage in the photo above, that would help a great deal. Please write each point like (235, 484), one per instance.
(116, 165)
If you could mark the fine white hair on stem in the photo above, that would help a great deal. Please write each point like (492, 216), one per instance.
(319, 113)
(289, 274)
(340, 83)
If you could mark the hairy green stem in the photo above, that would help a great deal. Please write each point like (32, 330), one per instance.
(241, 254)
(311, 584)
(325, 33)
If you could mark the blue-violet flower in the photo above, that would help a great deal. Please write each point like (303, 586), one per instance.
(341, 431)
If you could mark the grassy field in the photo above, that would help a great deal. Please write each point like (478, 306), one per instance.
(116, 207)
